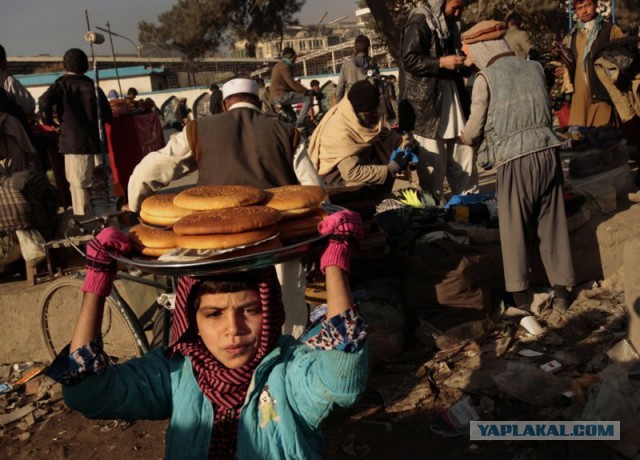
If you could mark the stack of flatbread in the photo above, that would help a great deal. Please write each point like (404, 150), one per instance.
(300, 209)
(224, 217)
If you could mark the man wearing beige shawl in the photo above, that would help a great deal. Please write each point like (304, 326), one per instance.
(349, 147)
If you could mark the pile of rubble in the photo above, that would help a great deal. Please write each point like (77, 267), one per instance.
(27, 398)
(549, 367)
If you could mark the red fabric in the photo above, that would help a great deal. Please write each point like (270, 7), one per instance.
(129, 139)
(563, 115)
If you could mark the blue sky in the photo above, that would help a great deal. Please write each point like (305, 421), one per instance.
(33, 27)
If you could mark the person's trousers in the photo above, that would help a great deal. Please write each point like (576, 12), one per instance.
(529, 193)
(291, 98)
(293, 280)
(440, 158)
(78, 169)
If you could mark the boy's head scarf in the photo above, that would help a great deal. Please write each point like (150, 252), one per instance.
(226, 388)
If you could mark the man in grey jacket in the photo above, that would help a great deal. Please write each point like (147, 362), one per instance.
(432, 96)
(511, 118)
(357, 68)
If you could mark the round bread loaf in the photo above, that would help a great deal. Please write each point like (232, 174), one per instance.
(159, 221)
(151, 237)
(300, 228)
(226, 240)
(291, 197)
(211, 197)
(297, 213)
(161, 205)
(151, 252)
(232, 220)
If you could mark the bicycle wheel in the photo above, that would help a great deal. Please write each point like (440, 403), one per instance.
(59, 310)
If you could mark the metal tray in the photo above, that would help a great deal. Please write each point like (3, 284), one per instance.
(231, 264)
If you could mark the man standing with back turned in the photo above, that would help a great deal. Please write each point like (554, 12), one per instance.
(74, 98)
(431, 96)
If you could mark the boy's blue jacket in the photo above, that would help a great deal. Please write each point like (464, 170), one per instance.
(293, 389)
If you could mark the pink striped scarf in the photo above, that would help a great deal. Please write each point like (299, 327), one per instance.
(226, 388)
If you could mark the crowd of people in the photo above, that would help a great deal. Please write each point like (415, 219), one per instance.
(238, 380)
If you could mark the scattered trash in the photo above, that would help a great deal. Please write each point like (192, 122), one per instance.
(551, 366)
(541, 301)
(37, 370)
(623, 352)
(5, 388)
(531, 384)
(16, 415)
(529, 353)
(461, 413)
(532, 326)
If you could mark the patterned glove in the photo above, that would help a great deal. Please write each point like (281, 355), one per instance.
(345, 232)
(101, 268)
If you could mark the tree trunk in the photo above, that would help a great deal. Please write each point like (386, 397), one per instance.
(386, 27)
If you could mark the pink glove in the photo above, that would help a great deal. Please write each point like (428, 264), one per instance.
(101, 268)
(345, 232)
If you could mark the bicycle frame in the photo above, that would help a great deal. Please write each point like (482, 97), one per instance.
(136, 325)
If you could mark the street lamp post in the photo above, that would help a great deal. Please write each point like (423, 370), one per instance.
(110, 32)
(113, 54)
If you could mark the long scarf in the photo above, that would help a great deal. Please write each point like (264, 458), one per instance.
(591, 37)
(338, 136)
(434, 14)
(225, 388)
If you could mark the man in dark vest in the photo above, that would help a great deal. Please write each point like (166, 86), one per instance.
(242, 146)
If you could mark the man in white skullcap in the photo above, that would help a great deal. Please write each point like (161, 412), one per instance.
(241, 146)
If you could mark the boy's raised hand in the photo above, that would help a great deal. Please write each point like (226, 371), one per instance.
(345, 232)
(101, 267)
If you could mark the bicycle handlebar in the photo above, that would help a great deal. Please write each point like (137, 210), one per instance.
(104, 220)
(80, 225)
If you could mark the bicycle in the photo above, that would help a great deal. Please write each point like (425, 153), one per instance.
(124, 333)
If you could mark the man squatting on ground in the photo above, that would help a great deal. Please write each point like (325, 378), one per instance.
(231, 385)
(242, 146)
(431, 96)
(515, 127)
(350, 147)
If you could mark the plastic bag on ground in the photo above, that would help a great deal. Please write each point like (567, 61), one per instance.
(31, 245)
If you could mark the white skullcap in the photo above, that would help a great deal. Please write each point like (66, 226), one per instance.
(239, 85)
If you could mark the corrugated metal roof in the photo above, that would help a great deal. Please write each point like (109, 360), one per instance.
(41, 79)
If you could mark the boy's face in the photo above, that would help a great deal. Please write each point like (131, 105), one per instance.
(585, 10)
(230, 325)
(315, 87)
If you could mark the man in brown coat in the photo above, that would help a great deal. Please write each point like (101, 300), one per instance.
(286, 90)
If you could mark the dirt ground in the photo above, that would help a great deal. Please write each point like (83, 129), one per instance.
(400, 414)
